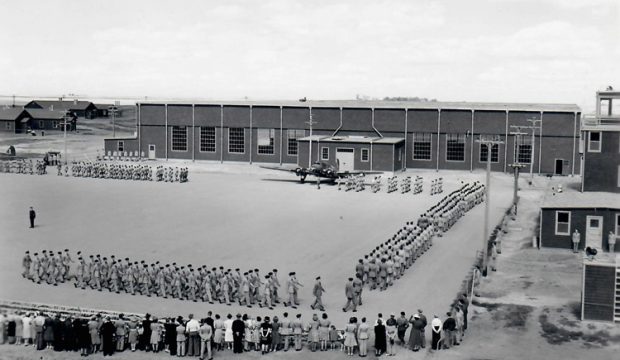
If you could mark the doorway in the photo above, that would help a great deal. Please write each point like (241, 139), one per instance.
(152, 151)
(594, 232)
(345, 159)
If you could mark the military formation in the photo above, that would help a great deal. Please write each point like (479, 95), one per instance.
(389, 260)
(183, 282)
(23, 167)
(103, 170)
(437, 186)
(168, 174)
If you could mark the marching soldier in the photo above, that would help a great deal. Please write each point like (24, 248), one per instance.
(318, 291)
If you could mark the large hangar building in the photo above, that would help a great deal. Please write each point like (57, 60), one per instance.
(430, 135)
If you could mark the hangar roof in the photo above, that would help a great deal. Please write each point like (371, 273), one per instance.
(353, 139)
(384, 104)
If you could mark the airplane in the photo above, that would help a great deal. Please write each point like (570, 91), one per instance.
(321, 170)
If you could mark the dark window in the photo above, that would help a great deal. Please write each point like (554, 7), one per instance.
(179, 138)
(484, 150)
(365, 155)
(455, 147)
(236, 140)
(292, 136)
(120, 146)
(324, 153)
(422, 143)
(207, 139)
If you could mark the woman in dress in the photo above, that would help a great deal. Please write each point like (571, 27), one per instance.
(218, 334)
(248, 332)
(228, 333)
(132, 337)
(275, 334)
(324, 325)
(349, 337)
(391, 331)
(156, 330)
(27, 322)
(180, 337)
(313, 336)
(362, 337)
(256, 333)
(48, 332)
(265, 335)
(415, 336)
(19, 328)
(380, 343)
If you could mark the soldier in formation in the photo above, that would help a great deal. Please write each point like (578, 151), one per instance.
(104, 170)
(22, 166)
(389, 260)
(183, 282)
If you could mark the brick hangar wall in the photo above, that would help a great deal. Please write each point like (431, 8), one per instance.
(558, 141)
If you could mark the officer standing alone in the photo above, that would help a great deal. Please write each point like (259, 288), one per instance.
(32, 216)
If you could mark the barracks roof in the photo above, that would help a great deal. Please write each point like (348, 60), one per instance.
(11, 113)
(61, 105)
(45, 114)
(384, 104)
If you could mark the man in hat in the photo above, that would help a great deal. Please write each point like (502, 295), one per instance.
(238, 328)
(318, 291)
(401, 327)
(32, 215)
(423, 330)
(350, 294)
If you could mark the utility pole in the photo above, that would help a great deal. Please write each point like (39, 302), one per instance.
(65, 117)
(113, 110)
(534, 126)
(489, 142)
(310, 123)
(516, 166)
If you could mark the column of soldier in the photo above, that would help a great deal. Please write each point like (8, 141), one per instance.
(104, 170)
(155, 279)
(356, 182)
(23, 167)
(388, 261)
(406, 185)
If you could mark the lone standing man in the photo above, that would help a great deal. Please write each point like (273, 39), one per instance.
(32, 215)
(576, 239)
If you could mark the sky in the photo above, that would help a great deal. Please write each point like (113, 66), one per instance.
(557, 51)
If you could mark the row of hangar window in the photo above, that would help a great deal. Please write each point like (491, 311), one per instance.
(422, 144)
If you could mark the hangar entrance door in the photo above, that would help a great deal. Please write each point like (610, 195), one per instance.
(345, 158)
(152, 151)
(561, 167)
(594, 232)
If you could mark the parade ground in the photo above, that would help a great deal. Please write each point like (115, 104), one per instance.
(236, 216)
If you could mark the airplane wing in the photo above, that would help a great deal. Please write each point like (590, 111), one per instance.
(344, 174)
(280, 168)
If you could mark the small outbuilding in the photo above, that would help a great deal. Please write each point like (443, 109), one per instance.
(600, 294)
(595, 215)
(350, 153)
(13, 119)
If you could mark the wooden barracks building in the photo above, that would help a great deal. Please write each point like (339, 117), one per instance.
(377, 135)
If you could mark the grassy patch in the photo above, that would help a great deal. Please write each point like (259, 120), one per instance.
(512, 316)
(554, 334)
